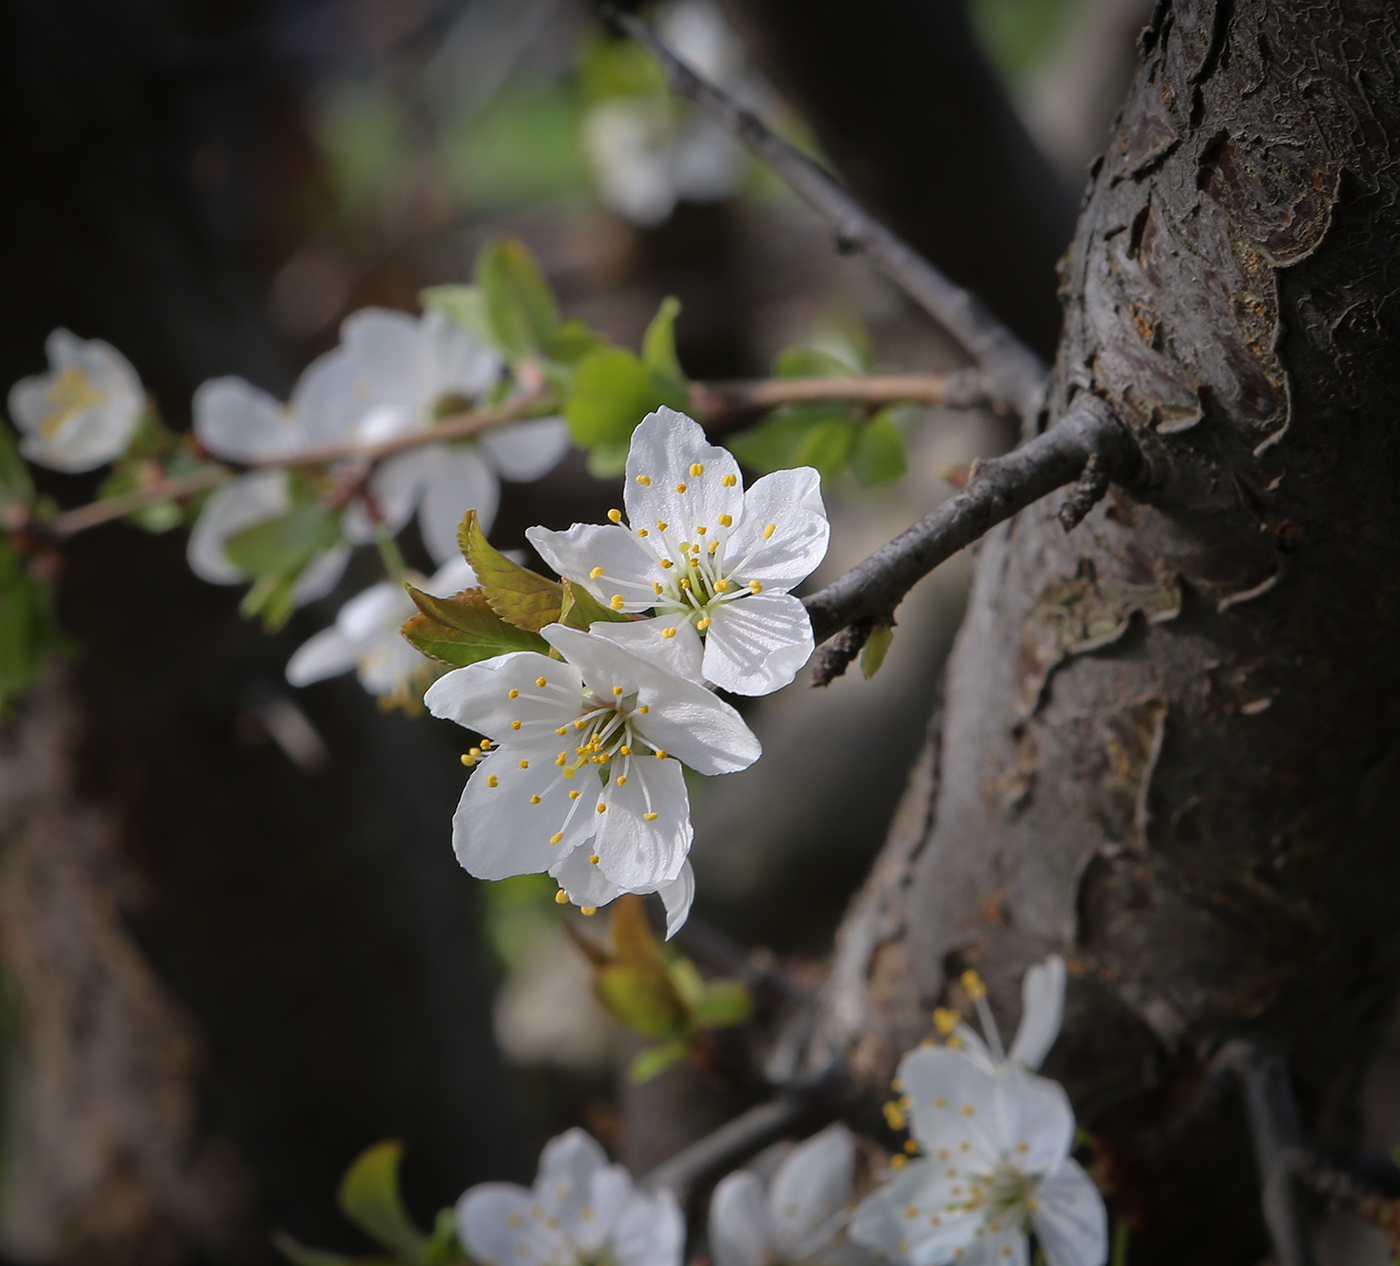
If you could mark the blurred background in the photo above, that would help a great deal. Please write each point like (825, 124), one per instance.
(235, 948)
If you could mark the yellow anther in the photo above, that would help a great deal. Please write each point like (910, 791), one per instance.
(700, 528)
(524, 764)
(580, 723)
(599, 760)
(656, 588)
(562, 897)
(703, 623)
(515, 694)
(642, 532)
(945, 1019)
(680, 487)
(617, 602)
(476, 751)
(726, 520)
(468, 759)
(622, 782)
(626, 751)
(911, 1211)
(593, 859)
(972, 983)
(650, 817)
(894, 1114)
(898, 1162)
(696, 470)
(685, 545)
(534, 799)
(769, 530)
(661, 525)
(668, 632)
(589, 911)
(714, 545)
(955, 1043)
(755, 587)
(562, 730)
(561, 760)
(644, 480)
(685, 582)
(968, 1110)
(939, 1101)
(485, 745)
(492, 780)
(1032, 1205)
(617, 690)
(573, 795)
(910, 1146)
(555, 838)
(1023, 1147)
(646, 707)
(730, 480)
(615, 516)
(666, 563)
(541, 682)
(660, 753)
(595, 573)
(721, 586)
(515, 725)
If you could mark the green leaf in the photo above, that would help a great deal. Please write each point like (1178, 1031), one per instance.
(724, 1003)
(369, 1197)
(525, 598)
(573, 339)
(580, 608)
(521, 313)
(614, 390)
(878, 456)
(608, 461)
(876, 647)
(28, 629)
(656, 1060)
(15, 482)
(809, 362)
(827, 445)
(464, 629)
(659, 342)
(466, 305)
(284, 545)
(641, 997)
(688, 983)
(443, 1247)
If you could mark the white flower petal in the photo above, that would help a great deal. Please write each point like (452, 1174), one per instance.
(627, 567)
(525, 451)
(790, 501)
(478, 696)
(954, 1101)
(321, 574)
(613, 1191)
(1042, 1010)
(812, 1186)
(583, 883)
(463, 365)
(379, 610)
(1071, 1223)
(684, 718)
(242, 423)
(492, 1218)
(396, 486)
(327, 654)
(497, 832)
(757, 644)
(451, 578)
(666, 446)
(238, 504)
(458, 481)
(682, 654)
(649, 1230)
(740, 1232)
(677, 897)
(1035, 1120)
(568, 1165)
(394, 362)
(1008, 1248)
(975, 1049)
(633, 852)
(882, 1221)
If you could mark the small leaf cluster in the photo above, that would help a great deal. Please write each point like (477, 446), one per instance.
(369, 1197)
(656, 993)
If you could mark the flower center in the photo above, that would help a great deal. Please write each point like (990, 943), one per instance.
(70, 393)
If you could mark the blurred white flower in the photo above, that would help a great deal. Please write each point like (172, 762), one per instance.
(366, 637)
(996, 1166)
(585, 751)
(581, 1212)
(648, 153)
(84, 411)
(1042, 1010)
(715, 563)
(800, 1215)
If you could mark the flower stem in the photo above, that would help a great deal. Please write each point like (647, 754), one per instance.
(389, 554)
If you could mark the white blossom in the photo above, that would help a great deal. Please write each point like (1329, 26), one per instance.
(581, 1212)
(84, 411)
(582, 769)
(996, 1166)
(366, 636)
(1042, 1010)
(798, 1218)
(714, 563)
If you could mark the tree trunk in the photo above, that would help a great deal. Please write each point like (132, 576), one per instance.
(1169, 737)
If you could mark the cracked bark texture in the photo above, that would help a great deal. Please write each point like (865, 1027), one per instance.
(1171, 738)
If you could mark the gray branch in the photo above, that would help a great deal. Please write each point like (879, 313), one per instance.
(998, 488)
(1015, 374)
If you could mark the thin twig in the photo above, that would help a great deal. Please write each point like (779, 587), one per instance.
(996, 489)
(796, 1109)
(832, 660)
(99, 512)
(1015, 374)
(1088, 491)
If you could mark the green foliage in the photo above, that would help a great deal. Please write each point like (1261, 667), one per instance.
(613, 67)
(659, 342)
(28, 629)
(275, 552)
(464, 629)
(16, 486)
(515, 593)
(876, 647)
(521, 312)
(580, 608)
(1019, 34)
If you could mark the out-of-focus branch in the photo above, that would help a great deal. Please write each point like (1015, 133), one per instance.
(1015, 375)
(96, 513)
(996, 489)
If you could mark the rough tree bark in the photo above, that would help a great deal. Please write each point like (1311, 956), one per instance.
(1169, 738)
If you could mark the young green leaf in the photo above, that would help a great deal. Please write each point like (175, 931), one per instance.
(614, 390)
(15, 482)
(809, 362)
(369, 1197)
(724, 1003)
(28, 629)
(580, 608)
(521, 312)
(464, 629)
(607, 461)
(525, 598)
(876, 647)
(443, 1247)
(659, 342)
(655, 1060)
(827, 445)
(466, 305)
(285, 544)
(878, 455)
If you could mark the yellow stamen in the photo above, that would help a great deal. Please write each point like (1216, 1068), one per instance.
(700, 528)
(617, 602)
(554, 839)
(562, 897)
(696, 470)
(680, 487)
(622, 782)
(524, 764)
(730, 480)
(617, 690)
(485, 745)
(769, 530)
(661, 526)
(666, 563)
(615, 516)
(468, 759)
(580, 723)
(562, 730)
(721, 586)
(593, 859)
(660, 754)
(515, 725)
(668, 632)
(755, 587)
(589, 911)
(644, 480)
(945, 1019)
(492, 780)
(898, 1162)
(646, 707)
(910, 1146)
(703, 623)
(972, 983)
(561, 760)
(641, 532)
(685, 582)
(626, 751)
(515, 694)
(650, 817)
(541, 682)
(726, 520)
(595, 573)
(656, 588)
(573, 795)
(534, 799)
